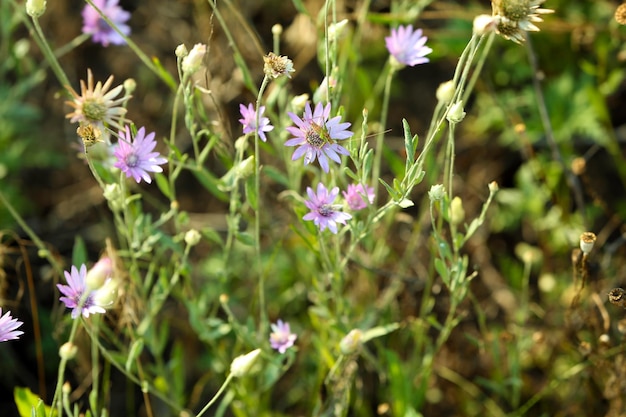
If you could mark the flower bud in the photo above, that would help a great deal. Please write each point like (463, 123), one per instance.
(68, 351)
(113, 194)
(241, 365)
(277, 29)
(99, 273)
(437, 192)
(456, 114)
(351, 342)
(457, 213)
(35, 8)
(129, 86)
(493, 187)
(336, 30)
(193, 61)
(445, 92)
(484, 23)
(192, 237)
(181, 51)
(106, 295)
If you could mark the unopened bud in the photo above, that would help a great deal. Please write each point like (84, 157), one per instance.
(242, 364)
(456, 113)
(192, 237)
(106, 295)
(484, 23)
(181, 51)
(35, 8)
(437, 192)
(445, 92)
(68, 351)
(99, 273)
(351, 342)
(457, 213)
(193, 61)
(129, 86)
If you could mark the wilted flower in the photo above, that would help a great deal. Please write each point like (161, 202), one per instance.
(249, 121)
(135, 157)
(281, 337)
(408, 46)
(8, 326)
(323, 213)
(96, 104)
(276, 65)
(315, 136)
(515, 17)
(358, 196)
(100, 30)
(620, 14)
(193, 61)
(76, 296)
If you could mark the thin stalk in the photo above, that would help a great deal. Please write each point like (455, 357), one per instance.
(383, 122)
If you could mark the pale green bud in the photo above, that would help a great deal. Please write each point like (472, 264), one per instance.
(193, 61)
(437, 192)
(106, 295)
(242, 364)
(457, 213)
(192, 237)
(99, 273)
(181, 51)
(351, 342)
(68, 351)
(113, 194)
(456, 113)
(445, 92)
(35, 8)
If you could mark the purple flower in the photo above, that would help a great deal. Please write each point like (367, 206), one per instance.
(99, 30)
(281, 337)
(407, 46)
(358, 196)
(249, 121)
(316, 134)
(323, 213)
(76, 296)
(8, 325)
(135, 157)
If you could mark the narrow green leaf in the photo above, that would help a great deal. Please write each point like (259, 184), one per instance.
(79, 252)
(163, 184)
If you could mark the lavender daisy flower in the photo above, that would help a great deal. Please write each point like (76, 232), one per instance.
(100, 30)
(76, 296)
(135, 157)
(281, 337)
(249, 121)
(315, 136)
(323, 213)
(358, 196)
(408, 46)
(8, 326)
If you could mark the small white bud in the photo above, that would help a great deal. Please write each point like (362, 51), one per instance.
(68, 351)
(277, 29)
(437, 192)
(456, 113)
(35, 8)
(129, 86)
(106, 295)
(99, 273)
(351, 342)
(242, 364)
(484, 23)
(493, 187)
(457, 213)
(181, 51)
(445, 92)
(336, 29)
(192, 237)
(193, 61)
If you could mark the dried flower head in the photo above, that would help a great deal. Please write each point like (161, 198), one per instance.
(587, 240)
(277, 65)
(617, 296)
(620, 14)
(96, 104)
(515, 17)
(89, 134)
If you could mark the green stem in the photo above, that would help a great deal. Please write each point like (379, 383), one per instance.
(383, 122)
(216, 396)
